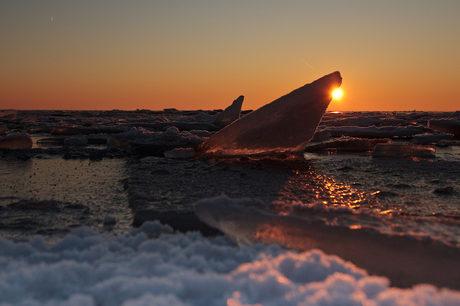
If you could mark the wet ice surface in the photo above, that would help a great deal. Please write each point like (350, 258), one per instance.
(51, 196)
(54, 188)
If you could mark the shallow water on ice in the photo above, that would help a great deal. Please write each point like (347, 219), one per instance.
(51, 195)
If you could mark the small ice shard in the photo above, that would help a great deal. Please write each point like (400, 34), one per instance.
(447, 126)
(109, 220)
(403, 150)
(180, 153)
(76, 141)
(16, 141)
(285, 125)
(8, 114)
(230, 114)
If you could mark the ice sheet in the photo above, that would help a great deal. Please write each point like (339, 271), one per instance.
(405, 259)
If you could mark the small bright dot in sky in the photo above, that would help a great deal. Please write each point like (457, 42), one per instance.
(337, 94)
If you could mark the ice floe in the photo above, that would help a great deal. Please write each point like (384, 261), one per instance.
(451, 126)
(404, 150)
(16, 141)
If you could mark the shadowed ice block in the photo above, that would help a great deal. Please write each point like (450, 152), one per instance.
(16, 141)
(282, 126)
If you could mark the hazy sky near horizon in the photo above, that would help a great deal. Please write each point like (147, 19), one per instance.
(203, 54)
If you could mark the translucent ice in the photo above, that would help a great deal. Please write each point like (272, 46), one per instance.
(447, 126)
(403, 150)
(285, 125)
(9, 114)
(230, 114)
(16, 141)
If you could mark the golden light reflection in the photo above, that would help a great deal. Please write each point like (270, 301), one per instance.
(337, 94)
(310, 187)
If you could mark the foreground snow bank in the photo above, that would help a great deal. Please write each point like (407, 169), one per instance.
(87, 268)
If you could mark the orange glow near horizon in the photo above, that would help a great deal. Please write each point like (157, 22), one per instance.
(203, 55)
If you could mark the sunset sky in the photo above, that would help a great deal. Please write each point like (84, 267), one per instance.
(203, 54)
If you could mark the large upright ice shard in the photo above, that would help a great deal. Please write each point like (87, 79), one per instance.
(282, 126)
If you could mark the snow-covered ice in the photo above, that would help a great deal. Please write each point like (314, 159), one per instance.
(86, 268)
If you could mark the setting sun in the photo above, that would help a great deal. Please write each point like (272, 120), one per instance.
(337, 94)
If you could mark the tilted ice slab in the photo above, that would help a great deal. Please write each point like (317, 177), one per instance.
(285, 125)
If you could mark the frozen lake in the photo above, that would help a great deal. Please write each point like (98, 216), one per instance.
(260, 250)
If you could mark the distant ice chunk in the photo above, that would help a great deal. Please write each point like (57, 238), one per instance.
(230, 114)
(376, 132)
(355, 121)
(285, 125)
(76, 141)
(3, 129)
(16, 141)
(430, 138)
(403, 150)
(180, 153)
(8, 114)
(451, 126)
(144, 142)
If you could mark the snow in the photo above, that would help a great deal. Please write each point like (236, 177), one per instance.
(87, 268)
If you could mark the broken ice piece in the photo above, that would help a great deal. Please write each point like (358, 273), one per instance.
(3, 129)
(430, 138)
(230, 114)
(447, 126)
(9, 114)
(403, 150)
(16, 141)
(285, 125)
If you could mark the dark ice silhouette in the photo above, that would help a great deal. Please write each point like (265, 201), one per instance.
(285, 125)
